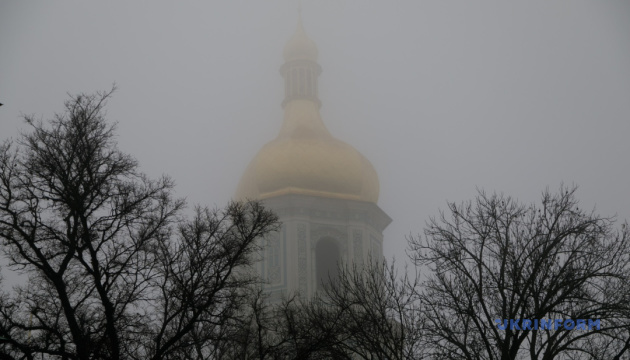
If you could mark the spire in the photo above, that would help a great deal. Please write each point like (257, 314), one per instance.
(300, 46)
(300, 70)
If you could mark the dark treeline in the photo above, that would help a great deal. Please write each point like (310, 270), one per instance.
(117, 271)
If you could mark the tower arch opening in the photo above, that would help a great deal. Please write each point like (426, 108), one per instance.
(327, 260)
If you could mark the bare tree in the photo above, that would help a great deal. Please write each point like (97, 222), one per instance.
(366, 312)
(285, 329)
(379, 311)
(495, 258)
(114, 271)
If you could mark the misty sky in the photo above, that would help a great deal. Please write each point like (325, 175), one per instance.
(443, 97)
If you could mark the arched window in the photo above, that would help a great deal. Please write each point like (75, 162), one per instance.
(309, 90)
(302, 82)
(294, 82)
(327, 261)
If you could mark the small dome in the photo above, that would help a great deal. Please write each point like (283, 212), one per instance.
(300, 46)
(306, 159)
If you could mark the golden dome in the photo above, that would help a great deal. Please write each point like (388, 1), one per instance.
(300, 47)
(306, 159)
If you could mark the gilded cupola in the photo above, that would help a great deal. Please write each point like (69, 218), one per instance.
(305, 158)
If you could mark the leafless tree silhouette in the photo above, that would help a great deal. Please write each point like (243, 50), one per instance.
(367, 312)
(114, 270)
(495, 258)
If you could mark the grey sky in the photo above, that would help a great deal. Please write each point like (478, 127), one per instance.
(442, 96)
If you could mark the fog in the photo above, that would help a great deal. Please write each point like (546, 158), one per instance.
(443, 97)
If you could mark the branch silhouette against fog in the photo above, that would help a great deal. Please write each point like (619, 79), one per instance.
(284, 329)
(114, 270)
(365, 312)
(494, 258)
(379, 310)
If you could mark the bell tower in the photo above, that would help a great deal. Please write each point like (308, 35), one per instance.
(324, 191)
